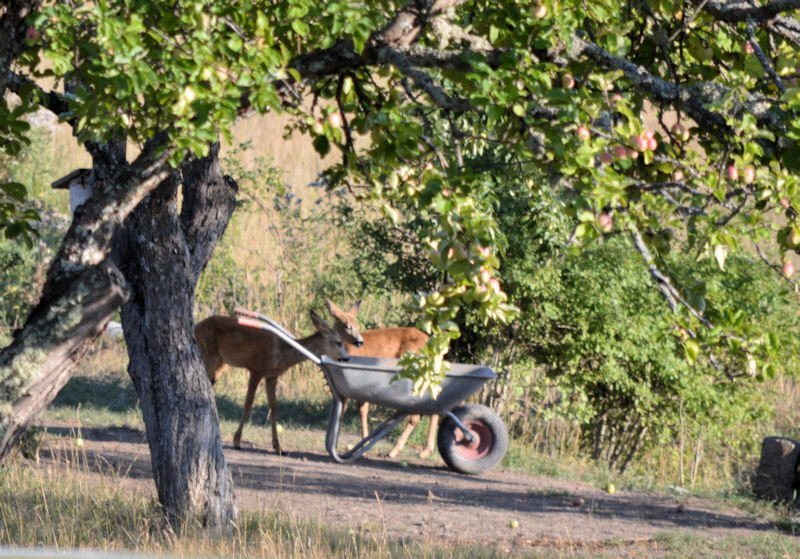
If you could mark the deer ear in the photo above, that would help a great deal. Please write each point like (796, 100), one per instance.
(332, 308)
(320, 324)
(356, 306)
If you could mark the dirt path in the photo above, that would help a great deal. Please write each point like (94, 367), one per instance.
(420, 501)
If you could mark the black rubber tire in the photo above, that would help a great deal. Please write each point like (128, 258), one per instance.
(482, 455)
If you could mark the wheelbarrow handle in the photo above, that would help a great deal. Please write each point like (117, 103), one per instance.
(250, 314)
(275, 329)
(244, 312)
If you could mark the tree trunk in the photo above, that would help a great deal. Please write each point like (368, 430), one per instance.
(164, 253)
(776, 476)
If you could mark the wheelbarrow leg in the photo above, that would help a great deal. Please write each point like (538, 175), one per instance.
(470, 438)
(332, 435)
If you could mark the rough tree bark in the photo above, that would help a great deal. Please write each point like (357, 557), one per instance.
(81, 292)
(39, 361)
(163, 252)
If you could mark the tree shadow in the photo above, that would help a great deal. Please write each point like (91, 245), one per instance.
(113, 394)
(300, 413)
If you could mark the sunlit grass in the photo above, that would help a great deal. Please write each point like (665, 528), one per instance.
(57, 509)
(60, 510)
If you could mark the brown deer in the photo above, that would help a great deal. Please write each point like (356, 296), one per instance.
(224, 341)
(383, 342)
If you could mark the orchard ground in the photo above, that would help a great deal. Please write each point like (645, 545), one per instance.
(419, 499)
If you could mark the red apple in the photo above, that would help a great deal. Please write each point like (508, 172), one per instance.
(605, 158)
(605, 222)
(652, 144)
(632, 153)
(567, 81)
(788, 269)
(749, 175)
(748, 48)
(785, 202)
(620, 152)
(32, 34)
(641, 143)
(539, 11)
(316, 128)
(732, 172)
(335, 120)
(583, 133)
(677, 175)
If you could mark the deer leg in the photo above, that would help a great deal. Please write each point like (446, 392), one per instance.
(430, 444)
(272, 400)
(344, 401)
(252, 384)
(401, 440)
(363, 411)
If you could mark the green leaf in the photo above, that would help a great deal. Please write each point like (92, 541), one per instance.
(322, 146)
(692, 350)
(15, 190)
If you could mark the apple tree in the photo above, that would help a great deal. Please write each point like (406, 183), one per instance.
(641, 118)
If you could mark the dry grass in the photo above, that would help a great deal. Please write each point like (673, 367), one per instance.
(61, 509)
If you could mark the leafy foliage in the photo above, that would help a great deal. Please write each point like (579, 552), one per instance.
(668, 122)
(16, 216)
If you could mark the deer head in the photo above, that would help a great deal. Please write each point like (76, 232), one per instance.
(345, 323)
(331, 343)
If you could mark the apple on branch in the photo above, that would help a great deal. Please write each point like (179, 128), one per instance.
(33, 34)
(539, 10)
(605, 222)
(680, 132)
(335, 120)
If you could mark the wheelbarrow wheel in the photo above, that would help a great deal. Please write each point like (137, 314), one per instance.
(485, 451)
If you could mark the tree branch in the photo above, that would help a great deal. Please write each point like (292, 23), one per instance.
(209, 199)
(736, 11)
(40, 359)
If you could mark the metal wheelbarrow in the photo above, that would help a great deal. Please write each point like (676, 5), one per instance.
(471, 439)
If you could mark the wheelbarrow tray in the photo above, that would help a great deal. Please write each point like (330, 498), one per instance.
(372, 380)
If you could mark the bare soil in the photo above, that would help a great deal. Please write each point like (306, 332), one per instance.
(427, 502)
